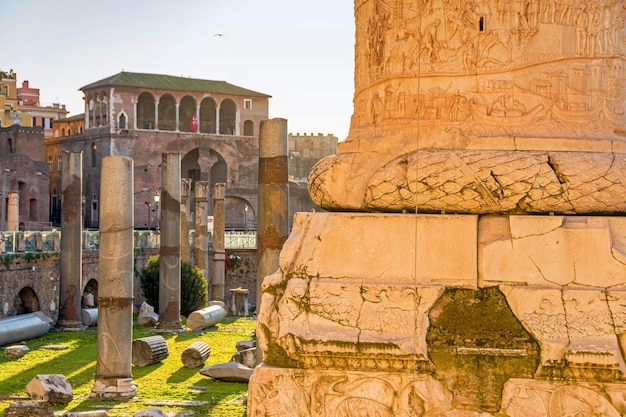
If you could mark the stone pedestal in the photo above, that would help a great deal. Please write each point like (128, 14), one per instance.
(239, 304)
(443, 313)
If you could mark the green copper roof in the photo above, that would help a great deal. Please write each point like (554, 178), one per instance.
(169, 82)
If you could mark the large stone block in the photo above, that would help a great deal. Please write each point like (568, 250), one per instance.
(553, 250)
(52, 388)
(384, 248)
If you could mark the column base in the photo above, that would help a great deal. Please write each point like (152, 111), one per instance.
(114, 388)
(71, 325)
(168, 328)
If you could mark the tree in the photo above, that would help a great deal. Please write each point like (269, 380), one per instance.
(193, 294)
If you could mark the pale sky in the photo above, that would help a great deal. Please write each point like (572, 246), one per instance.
(300, 52)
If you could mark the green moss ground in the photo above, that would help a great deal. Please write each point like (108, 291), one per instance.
(168, 380)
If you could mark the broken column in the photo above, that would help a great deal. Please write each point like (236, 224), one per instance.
(70, 315)
(115, 292)
(273, 228)
(219, 252)
(185, 219)
(169, 266)
(202, 237)
(13, 211)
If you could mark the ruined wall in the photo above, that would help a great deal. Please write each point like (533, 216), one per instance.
(40, 271)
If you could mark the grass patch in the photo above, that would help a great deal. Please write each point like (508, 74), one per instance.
(165, 381)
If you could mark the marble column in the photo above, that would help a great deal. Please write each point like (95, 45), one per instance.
(169, 267)
(203, 188)
(219, 253)
(185, 219)
(70, 315)
(115, 292)
(273, 228)
(13, 211)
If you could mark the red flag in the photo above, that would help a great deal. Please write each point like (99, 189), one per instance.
(193, 123)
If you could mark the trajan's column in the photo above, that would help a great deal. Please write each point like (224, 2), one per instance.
(472, 259)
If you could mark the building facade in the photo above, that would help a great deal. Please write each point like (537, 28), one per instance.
(214, 126)
(34, 113)
(23, 179)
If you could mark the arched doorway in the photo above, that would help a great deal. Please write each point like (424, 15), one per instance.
(25, 302)
(145, 111)
(228, 117)
(167, 113)
(90, 294)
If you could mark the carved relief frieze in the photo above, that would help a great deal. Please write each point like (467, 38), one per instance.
(531, 64)
(320, 323)
(527, 397)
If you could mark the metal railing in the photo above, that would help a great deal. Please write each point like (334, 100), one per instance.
(50, 241)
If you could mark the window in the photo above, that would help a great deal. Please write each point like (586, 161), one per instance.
(59, 163)
(46, 122)
(50, 161)
(122, 121)
(32, 216)
(247, 104)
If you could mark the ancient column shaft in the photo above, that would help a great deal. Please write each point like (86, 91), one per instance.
(71, 249)
(273, 227)
(13, 211)
(219, 252)
(185, 218)
(202, 189)
(115, 292)
(169, 267)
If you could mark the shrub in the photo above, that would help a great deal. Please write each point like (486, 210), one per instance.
(193, 294)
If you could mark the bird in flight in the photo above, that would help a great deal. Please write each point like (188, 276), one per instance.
(219, 34)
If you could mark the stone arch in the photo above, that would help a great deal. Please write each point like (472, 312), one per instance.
(248, 128)
(228, 117)
(145, 111)
(167, 112)
(25, 302)
(186, 110)
(91, 289)
(204, 164)
(190, 168)
(240, 214)
(207, 120)
(219, 170)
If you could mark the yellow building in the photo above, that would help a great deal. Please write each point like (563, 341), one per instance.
(9, 112)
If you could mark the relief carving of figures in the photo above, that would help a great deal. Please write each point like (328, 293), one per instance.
(581, 20)
(593, 30)
(523, 398)
(605, 32)
(548, 12)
